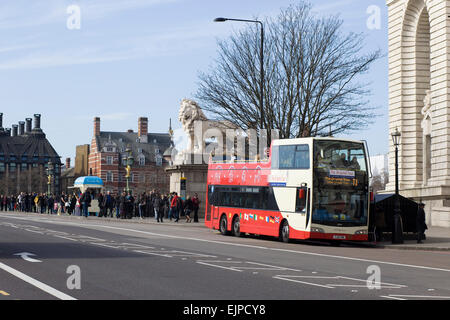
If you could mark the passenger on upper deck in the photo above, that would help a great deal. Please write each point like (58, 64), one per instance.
(354, 164)
(342, 162)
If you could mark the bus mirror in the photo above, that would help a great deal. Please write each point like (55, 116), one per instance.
(301, 194)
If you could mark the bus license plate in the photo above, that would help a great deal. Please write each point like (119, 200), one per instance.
(339, 237)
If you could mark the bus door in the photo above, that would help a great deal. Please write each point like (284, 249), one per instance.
(302, 207)
(215, 212)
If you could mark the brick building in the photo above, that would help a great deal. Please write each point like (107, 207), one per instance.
(24, 156)
(107, 158)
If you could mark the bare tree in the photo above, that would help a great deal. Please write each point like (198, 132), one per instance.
(311, 81)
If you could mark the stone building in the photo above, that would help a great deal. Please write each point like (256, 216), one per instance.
(419, 102)
(24, 156)
(70, 174)
(108, 156)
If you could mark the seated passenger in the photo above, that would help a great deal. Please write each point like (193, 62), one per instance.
(342, 161)
(354, 164)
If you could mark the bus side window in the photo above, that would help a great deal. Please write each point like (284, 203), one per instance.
(300, 202)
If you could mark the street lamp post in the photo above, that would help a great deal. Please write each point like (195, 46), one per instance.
(49, 177)
(261, 98)
(129, 162)
(397, 232)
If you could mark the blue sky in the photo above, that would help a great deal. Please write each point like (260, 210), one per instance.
(133, 58)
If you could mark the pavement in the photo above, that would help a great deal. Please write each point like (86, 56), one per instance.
(437, 238)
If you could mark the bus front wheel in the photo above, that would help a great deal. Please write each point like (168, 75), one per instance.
(223, 226)
(284, 231)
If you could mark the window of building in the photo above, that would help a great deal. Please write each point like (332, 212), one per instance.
(24, 166)
(142, 161)
(109, 176)
(2, 167)
(12, 167)
(109, 160)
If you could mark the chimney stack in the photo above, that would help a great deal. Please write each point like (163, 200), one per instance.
(143, 129)
(1, 120)
(37, 122)
(28, 127)
(21, 128)
(96, 126)
(67, 163)
(14, 130)
(8, 132)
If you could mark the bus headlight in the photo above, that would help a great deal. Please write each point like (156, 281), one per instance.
(319, 230)
(361, 232)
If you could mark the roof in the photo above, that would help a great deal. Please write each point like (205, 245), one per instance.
(89, 180)
(122, 140)
(29, 145)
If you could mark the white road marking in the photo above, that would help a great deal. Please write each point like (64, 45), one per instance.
(236, 244)
(281, 277)
(26, 256)
(218, 266)
(394, 298)
(36, 283)
(418, 297)
(153, 253)
(333, 285)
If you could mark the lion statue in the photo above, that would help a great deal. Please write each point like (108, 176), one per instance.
(195, 124)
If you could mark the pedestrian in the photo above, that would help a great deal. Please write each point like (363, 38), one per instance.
(101, 204)
(157, 202)
(174, 205)
(141, 206)
(77, 206)
(188, 208)
(196, 203)
(421, 226)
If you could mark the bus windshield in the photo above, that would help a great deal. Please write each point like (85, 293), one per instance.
(340, 183)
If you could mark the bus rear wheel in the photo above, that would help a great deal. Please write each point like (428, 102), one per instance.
(223, 226)
(284, 232)
(236, 227)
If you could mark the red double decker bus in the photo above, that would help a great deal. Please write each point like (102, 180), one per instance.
(308, 188)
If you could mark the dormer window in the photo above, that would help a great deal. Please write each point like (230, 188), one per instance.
(141, 160)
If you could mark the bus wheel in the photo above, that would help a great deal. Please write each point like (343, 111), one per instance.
(284, 231)
(223, 226)
(236, 227)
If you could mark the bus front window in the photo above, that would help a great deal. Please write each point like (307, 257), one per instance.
(340, 183)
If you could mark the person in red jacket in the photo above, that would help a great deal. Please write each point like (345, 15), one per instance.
(174, 207)
(196, 203)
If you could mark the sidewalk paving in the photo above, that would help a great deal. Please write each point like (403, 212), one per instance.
(437, 238)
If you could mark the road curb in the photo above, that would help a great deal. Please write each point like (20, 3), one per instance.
(415, 248)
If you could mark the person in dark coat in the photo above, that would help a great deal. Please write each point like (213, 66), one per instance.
(157, 206)
(101, 205)
(420, 223)
(188, 208)
(122, 205)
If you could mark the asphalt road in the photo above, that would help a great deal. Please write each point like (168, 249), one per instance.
(49, 257)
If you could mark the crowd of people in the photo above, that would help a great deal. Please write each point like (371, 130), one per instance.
(122, 206)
